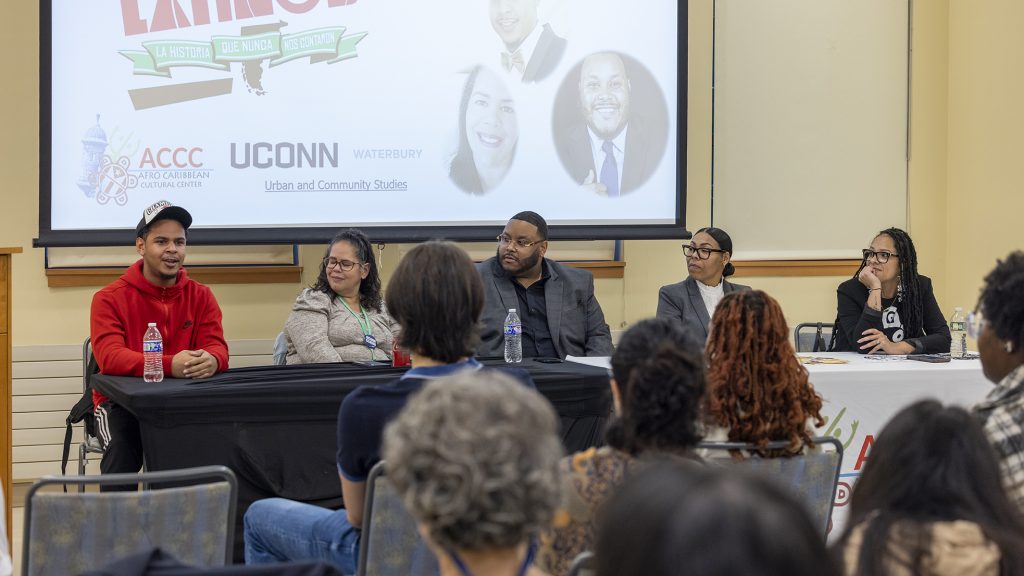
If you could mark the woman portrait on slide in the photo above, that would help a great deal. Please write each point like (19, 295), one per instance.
(488, 133)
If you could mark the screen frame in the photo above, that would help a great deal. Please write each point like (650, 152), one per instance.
(48, 237)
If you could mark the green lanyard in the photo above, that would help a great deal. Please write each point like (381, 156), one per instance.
(365, 325)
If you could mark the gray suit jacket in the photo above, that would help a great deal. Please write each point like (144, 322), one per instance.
(574, 316)
(682, 301)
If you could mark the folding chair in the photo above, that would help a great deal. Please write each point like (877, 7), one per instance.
(582, 565)
(280, 350)
(69, 533)
(812, 477)
(806, 340)
(390, 544)
(90, 444)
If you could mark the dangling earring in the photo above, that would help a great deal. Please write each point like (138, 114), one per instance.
(899, 290)
(1009, 347)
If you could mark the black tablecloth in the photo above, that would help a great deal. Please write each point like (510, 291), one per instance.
(275, 426)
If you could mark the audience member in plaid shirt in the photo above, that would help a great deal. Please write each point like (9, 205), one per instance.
(998, 326)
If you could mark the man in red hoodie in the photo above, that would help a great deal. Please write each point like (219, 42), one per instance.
(154, 289)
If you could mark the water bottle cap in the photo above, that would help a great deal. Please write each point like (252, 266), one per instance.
(152, 323)
(511, 309)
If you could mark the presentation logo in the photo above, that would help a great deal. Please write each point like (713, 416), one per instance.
(255, 45)
(104, 177)
(284, 155)
(112, 168)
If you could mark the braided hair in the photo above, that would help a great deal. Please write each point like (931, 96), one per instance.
(1002, 299)
(908, 302)
(757, 388)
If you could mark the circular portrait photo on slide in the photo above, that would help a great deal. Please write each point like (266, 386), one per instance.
(610, 123)
(488, 133)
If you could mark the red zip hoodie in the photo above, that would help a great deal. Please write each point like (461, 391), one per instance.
(186, 314)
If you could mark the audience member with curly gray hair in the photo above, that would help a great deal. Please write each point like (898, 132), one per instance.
(475, 458)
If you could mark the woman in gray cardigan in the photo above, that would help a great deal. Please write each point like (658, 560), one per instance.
(342, 317)
(693, 300)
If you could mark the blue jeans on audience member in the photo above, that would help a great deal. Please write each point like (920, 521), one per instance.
(280, 530)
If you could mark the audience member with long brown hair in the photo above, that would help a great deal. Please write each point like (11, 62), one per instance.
(929, 502)
(758, 392)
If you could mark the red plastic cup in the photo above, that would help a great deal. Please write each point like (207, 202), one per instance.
(399, 355)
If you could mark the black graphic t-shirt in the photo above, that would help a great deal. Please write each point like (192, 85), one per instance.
(854, 317)
(892, 325)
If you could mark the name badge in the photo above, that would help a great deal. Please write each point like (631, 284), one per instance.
(370, 341)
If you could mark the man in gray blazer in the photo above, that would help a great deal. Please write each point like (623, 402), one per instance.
(556, 303)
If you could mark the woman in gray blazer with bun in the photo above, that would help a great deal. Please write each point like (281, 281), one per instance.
(693, 300)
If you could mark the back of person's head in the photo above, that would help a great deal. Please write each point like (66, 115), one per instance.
(436, 295)
(659, 371)
(475, 459)
(930, 463)
(757, 388)
(674, 518)
(1002, 300)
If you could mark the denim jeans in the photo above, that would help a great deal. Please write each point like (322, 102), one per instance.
(280, 530)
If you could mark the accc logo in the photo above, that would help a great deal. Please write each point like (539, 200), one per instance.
(180, 157)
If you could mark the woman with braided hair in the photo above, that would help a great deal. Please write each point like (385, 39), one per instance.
(657, 385)
(998, 326)
(758, 392)
(887, 307)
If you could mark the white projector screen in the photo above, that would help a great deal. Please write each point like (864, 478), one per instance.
(280, 121)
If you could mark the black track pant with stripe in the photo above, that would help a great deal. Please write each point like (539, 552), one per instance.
(119, 434)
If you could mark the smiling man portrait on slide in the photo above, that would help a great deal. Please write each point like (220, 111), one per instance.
(609, 149)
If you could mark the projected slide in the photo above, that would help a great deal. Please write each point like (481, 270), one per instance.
(399, 114)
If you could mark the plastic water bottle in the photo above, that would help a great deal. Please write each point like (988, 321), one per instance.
(153, 352)
(513, 337)
(958, 330)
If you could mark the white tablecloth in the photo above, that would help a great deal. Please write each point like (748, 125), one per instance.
(862, 395)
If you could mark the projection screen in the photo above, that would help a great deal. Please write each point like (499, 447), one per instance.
(280, 121)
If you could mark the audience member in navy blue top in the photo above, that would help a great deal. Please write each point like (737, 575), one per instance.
(436, 296)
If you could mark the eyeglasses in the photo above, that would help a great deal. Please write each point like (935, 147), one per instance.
(505, 239)
(703, 253)
(346, 265)
(975, 324)
(882, 256)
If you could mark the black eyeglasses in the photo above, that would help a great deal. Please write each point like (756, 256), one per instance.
(505, 239)
(703, 253)
(346, 265)
(882, 255)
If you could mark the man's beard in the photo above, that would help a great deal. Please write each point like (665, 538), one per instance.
(524, 264)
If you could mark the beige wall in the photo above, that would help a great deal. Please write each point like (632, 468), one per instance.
(986, 129)
(965, 125)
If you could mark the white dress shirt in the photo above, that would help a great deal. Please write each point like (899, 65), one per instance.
(711, 295)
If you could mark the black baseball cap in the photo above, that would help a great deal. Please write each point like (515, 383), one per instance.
(163, 210)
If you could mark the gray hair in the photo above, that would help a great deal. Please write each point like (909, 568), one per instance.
(475, 458)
